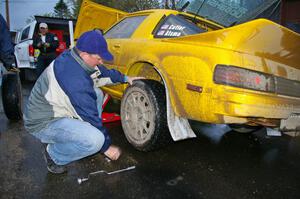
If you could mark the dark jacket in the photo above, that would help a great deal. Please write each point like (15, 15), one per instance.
(6, 45)
(50, 38)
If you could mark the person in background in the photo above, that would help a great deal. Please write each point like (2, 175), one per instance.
(11, 87)
(7, 50)
(47, 43)
(64, 107)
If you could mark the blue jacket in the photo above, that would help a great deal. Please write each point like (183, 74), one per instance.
(66, 89)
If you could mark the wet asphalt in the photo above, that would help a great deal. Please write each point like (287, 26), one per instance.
(237, 166)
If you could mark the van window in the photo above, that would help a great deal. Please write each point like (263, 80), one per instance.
(25, 33)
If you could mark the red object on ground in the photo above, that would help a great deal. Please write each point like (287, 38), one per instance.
(108, 117)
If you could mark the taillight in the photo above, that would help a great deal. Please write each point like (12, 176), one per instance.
(31, 50)
(244, 78)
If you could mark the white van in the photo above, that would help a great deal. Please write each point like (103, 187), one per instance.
(24, 51)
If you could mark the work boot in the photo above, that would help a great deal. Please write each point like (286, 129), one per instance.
(51, 166)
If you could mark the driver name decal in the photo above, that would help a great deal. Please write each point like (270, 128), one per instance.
(171, 30)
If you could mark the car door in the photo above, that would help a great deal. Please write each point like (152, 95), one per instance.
(117, 38)
(24, 40)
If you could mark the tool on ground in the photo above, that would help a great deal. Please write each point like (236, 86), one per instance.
(81, 180)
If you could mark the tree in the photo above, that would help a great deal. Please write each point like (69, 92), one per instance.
(136, 5)
(61, 10)
(75, 7)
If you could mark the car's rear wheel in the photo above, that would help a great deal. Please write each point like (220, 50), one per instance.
(144, 117)
(242, 128)
(12, 96)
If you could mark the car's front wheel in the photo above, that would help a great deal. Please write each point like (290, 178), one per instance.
(143, 114)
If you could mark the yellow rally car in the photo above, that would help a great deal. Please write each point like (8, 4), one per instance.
(218, 69)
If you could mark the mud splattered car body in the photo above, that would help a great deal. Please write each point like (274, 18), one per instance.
(244, 74)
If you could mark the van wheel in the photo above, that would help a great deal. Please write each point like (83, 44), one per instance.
(143, 115)
(242, 128)
(12, 96)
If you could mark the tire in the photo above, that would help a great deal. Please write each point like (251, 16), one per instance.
(242, 128)
(28, 75)
(12, 96)
(22, 75)
(144, 115)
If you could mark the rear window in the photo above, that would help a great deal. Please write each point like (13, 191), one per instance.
(176, 26)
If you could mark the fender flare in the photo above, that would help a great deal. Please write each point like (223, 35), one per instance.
(179, 127)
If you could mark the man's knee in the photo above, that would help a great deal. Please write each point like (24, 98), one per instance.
(93, 142)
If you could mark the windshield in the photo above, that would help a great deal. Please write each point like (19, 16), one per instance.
(226, 12)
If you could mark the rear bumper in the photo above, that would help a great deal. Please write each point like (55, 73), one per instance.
(30, 65)
(243, 103)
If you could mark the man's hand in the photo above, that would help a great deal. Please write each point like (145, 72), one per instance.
(47, 45)
(131, 79)
(113, 152)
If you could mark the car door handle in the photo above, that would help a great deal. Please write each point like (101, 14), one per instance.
(19, 48)
(117, 45)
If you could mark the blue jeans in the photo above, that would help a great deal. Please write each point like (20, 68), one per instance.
(71, 139)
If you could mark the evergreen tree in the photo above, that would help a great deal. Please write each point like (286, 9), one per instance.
(136, 5)
(61, 10)
(75, 7)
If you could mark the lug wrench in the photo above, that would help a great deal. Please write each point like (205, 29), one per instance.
(81, 180)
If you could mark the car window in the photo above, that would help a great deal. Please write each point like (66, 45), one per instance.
(25, 33)
(176, 26)
(125, 28)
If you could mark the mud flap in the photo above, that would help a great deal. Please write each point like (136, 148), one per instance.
(179, 127)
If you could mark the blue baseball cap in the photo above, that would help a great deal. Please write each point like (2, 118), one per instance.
(93, 42)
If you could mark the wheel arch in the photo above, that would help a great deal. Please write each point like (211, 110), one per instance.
(178, 126)
(145, 69)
